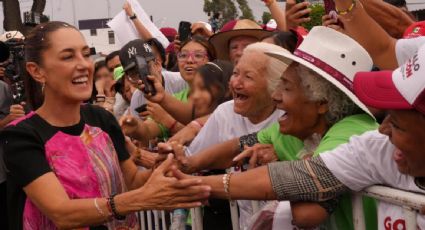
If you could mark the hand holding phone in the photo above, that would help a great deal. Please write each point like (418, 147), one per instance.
(141, 109)
(184, 30)
(143, 70)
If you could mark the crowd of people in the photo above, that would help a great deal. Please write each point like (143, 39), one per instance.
(292, 118)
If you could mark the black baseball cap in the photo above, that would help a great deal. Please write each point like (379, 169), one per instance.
(132, 49)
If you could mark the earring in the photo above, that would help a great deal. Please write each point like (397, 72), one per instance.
(42, 87)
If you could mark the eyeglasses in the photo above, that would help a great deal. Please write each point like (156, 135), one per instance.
(196, 55)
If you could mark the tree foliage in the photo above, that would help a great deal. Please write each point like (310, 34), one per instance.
(227, 9)
(266, 17)
(245, 9)
(317, 11)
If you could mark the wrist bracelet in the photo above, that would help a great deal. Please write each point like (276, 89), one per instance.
(344, 12)
(226, 184)
(100, 211)
(133, 17)
(100, 98)
(112, 208)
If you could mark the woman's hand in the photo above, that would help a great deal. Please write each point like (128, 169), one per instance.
(185, 135)
(181, 160)
(259, 154)
(100, 86)
(296, 12)
(177, 44)
(129, 125)
(331, 21)
(157, 113)
(127, 8)
(199, 27)
(180, 191)
(160, 91)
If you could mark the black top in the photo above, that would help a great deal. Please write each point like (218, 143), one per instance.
(24, 148)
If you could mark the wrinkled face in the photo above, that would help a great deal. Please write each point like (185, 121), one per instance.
(191, 56)
(249, 85)
(303, 117)
(202, 98)
(237, 45)
(113, 63)
(405, 129)
(103, 73)
(67, 67)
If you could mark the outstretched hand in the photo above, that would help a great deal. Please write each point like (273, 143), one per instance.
(259, 154)
(176, 191)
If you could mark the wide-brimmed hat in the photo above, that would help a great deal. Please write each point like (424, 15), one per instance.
(334, 56)
(232, 29)
(403, 88)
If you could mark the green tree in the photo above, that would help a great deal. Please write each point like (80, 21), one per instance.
(245, 9)
(317, 11)
(227, 9)
(266, 17)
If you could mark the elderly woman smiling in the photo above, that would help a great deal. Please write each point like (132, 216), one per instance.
(320, 114)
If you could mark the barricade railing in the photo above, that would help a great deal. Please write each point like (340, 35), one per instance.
(409, 201)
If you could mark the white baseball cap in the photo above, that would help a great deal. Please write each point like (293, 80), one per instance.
(403, 88)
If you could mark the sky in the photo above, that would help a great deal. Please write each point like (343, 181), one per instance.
(164, 12)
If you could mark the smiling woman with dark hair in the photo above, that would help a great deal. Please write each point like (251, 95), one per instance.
(67, 163)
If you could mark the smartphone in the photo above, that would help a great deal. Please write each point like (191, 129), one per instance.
(301, 1)
(143, 70)
(184, 30)
(329, 6)
(141, 108)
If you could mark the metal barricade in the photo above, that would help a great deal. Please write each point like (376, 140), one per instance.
(410, 202)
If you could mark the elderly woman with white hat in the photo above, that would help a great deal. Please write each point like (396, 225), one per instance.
(320, 109)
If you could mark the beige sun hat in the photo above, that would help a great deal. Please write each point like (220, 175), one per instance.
(334, 56)
(232, 29)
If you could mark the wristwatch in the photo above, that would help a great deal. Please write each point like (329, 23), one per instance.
(133, 17)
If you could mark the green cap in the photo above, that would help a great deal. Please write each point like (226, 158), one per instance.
(118, 73)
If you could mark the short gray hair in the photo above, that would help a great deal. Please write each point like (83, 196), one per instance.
(318, 88)
(274, 67)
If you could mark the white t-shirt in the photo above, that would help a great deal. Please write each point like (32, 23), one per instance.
(368, 160)
(224, 124)
(173, 82)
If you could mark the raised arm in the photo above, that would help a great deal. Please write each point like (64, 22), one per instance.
(141, 29)
(277, 14)
(368, 33)
(391, 18)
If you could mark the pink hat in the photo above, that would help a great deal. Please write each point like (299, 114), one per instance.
(403, 88)
(169, 32)
(417, 29)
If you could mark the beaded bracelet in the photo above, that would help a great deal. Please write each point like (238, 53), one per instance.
(226, 184)
(344, 12)
(111, 207)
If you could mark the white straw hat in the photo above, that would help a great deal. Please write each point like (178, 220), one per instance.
(334, 56)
